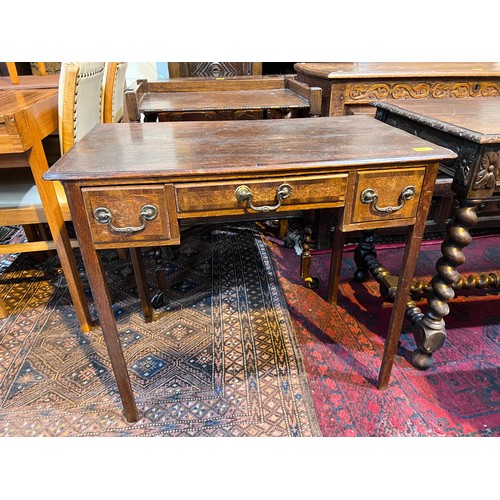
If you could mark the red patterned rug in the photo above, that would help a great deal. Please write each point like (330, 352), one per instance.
(342, 348)
(221, 358)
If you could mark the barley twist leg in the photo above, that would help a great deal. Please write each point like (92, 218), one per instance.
(429, 330)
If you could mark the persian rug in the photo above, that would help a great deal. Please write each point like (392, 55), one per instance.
(342, 348)
(220, 359)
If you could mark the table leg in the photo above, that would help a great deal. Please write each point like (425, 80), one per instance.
(429, 331)
(142, 283)
(102, 299)
(399, 308)
(335, 265)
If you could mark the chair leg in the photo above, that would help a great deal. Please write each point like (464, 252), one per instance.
(62, 243)
(11, 68)
(3, 309)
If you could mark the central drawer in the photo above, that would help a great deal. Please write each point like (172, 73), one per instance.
(304, 192)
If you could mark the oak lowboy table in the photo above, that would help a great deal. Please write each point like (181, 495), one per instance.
(350, 87)
(130, 184)
(471, 128)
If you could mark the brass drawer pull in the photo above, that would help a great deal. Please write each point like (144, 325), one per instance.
(243, 194)
(104, 216)
(370, 196)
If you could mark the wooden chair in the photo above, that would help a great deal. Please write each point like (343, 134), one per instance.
(27, 199)
(75, 118)
(114, 87)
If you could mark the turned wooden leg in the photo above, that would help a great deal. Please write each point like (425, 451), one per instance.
(429, 331)
(365, 250)
(305, 260)
(160, 269)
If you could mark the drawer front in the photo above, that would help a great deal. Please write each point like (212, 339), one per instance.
(210, 198)
(387, 195)
(131, 214)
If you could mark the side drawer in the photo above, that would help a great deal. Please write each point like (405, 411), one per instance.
(387, 194)
(131, 214)
(307, 192)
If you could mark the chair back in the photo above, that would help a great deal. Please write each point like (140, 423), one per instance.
(80, 95)
(114, 86)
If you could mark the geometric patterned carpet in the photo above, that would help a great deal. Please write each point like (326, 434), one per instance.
(342, 348)
(220, 359)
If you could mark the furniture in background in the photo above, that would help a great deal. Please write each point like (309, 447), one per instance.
(114, 86)
(221, 99)
(15, 81)
(350, 87)
(229, 98)
(131, 186)
(213, 69)
(28, 200)
(28, 116)
(471, 128)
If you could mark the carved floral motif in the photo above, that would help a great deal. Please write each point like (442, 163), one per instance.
(488, 172)
(420, 90)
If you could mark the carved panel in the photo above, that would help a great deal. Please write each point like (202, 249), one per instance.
(215, 69)
(476, 169)
(365, 92)
(488, 171)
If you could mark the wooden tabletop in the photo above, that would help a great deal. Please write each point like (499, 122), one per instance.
(13, 101)
(228, 149)
(30, 82)
(349, 70)
(478, 119)
(225, 100)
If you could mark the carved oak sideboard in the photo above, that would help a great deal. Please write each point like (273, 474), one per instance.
(349, 88)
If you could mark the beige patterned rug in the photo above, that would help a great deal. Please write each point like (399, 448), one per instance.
(220, 359)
